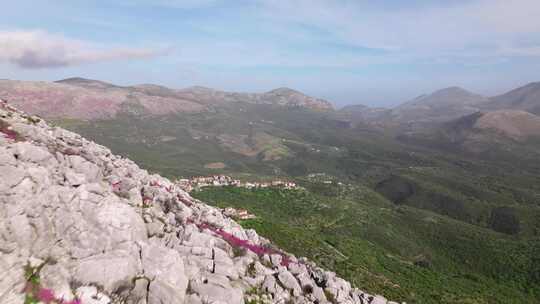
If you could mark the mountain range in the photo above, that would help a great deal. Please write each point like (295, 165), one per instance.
(433, 201)
(80, 98)
(82, 225)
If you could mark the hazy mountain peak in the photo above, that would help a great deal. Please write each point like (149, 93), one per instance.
(283, 91)
(451, 95)
(198, 88)
(354, 108)
(526, 98)
(290, 97)
(452, 90)
(86, 83)
(442, 105)
(512, 123)
(150, 86)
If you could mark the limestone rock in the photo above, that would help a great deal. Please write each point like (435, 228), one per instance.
(95, 227)
(113, 270)
(165, 269)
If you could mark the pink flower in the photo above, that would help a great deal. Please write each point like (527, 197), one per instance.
(9, 134)
(116, 186)
(46, 295)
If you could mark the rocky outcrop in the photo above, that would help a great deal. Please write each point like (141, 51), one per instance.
(81, 225)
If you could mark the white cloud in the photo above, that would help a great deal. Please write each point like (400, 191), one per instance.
(39, 49)
(424, 30)
(181, 4)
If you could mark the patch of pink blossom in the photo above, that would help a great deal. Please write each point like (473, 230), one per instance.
(184, 201)
(9, 134)
(240, 243)
(116, 185)
(46, 295)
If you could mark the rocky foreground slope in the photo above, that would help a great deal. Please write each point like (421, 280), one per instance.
(81, 225)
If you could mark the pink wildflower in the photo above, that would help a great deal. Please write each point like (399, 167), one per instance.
(46, 295)
(184, 201)
(9, 134)
(116, 186)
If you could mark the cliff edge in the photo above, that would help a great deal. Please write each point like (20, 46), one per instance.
(79, 224)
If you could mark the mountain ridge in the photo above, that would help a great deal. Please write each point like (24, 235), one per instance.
(91, 227)
(525, 98)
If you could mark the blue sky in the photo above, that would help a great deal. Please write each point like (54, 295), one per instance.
(373, 52)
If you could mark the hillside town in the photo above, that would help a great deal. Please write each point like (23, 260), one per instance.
(199, 182)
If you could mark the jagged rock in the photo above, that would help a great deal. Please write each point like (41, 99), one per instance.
(217, 288)
(270, 284)
(95, 227)
(11, 176)
(75, 179)
(82, 166)
(28, 152)
(275, 259)
(12, 280)
(90, 295)
(289, 282)
(139, 293)
(165, 269)
(113, 270)
(193, 299)
(57, 278)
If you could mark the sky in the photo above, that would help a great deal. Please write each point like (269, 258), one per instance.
(378, 53)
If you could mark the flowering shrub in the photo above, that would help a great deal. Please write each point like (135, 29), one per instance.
(184, 201)
(116, 186)
(239, 243)
(35, 293)
(8, 133)
(147, 201)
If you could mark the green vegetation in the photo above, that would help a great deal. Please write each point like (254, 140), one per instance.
(403, 252)
(420, 219)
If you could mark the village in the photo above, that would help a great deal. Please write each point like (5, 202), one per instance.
(199, 182)
(196, 183)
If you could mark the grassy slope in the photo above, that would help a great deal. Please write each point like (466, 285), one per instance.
(444, 219)
(375, 244)
(463, 187)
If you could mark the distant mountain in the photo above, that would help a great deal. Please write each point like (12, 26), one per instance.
(290, 97)
(526, 98)
(518, 125)
(484, 132)
(87, 83)
(282, 96)
(80, 98)
(358, 114)
(439, 106)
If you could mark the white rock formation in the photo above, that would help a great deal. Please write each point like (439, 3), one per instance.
(87, 226)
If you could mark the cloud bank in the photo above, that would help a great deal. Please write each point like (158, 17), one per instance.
(492, 27)
(40, 49)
